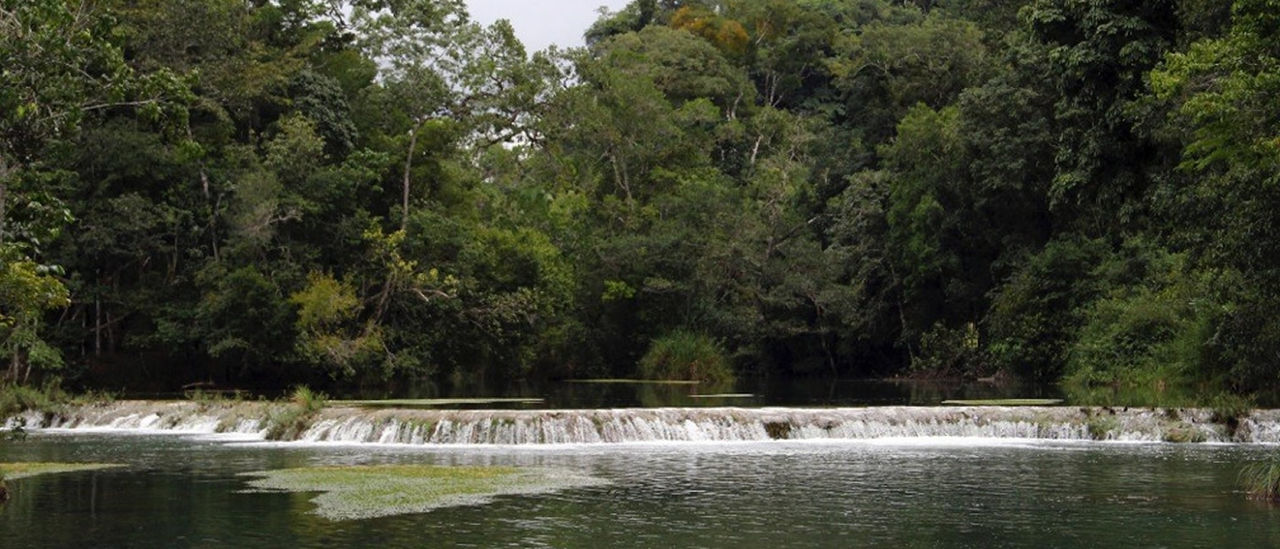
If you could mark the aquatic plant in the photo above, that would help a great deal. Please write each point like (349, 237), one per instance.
(288, 421)
(1101, 426)
(1262, 480)
(307, 399)
(1182, 432)
(1229, 409)
(686, 355)
(373, 491)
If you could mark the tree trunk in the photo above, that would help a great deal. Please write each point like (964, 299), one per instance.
(4, 194)
(97, 326)
(408, 165)
(4, 191)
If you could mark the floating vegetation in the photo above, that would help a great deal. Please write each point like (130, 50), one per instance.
(12, 471)
(637, 381)
(430, 402)
(363, 492)
(1005, 402)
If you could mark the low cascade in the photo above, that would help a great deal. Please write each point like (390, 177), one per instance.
(417, 426)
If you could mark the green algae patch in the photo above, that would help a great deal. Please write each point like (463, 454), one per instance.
(1005, 402)
(430, 402)
(13, 471)
(361, 492)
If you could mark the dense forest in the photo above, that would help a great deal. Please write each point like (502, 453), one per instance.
(277, 191)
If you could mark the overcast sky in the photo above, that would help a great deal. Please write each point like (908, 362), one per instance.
(540, 23)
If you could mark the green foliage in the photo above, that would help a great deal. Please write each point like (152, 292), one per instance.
(328, 323)
(1037, 311)
(307, 400)
(944, 352)
(1151, 333)
(1229, 408)
(15, 398)
(845, 188)
(288, 421)
(686, 355)
(27, 291)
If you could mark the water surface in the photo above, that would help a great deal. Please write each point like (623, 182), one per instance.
(185, 492)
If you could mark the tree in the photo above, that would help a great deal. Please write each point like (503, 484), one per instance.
(1221, 97)
(60, 64)
(439, 67)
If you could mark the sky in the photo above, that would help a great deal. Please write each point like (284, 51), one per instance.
(540, 23)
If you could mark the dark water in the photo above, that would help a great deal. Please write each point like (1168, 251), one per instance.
(801, 392)
(182, 492)
(745, 392)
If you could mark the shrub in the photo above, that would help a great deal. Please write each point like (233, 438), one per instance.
(288, 421)
(308, 400)
(15, 399)
(1229, 409)
(1035, 312)
(1156, 331)
(686, 355)
(946, 352)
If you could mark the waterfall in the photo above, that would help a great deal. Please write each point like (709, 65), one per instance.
(420, 426)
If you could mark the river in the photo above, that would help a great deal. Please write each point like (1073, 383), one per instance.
(184, 491)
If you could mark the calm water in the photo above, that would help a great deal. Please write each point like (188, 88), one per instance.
(183, 492)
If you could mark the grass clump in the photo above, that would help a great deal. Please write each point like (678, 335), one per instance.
(308, 400)
(1101, 426)
(1261, 480)
(1229, 409)
(374, 491)
(686, 355)
(1182, 432)
(290, 420)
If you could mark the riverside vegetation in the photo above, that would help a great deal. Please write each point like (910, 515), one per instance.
(283, 192)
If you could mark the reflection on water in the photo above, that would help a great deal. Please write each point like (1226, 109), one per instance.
(925, 493)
